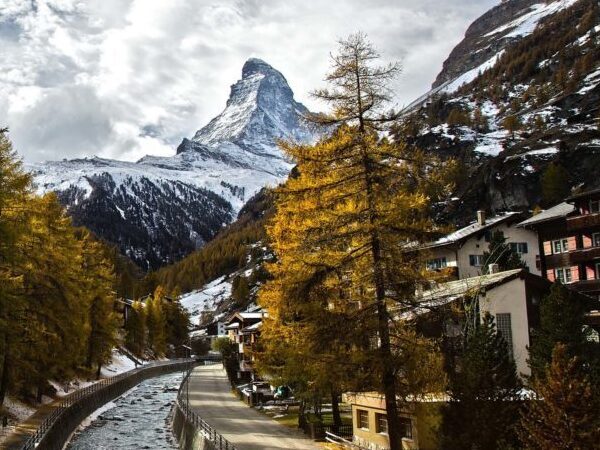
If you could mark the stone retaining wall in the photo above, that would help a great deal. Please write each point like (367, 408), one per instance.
(58, 427)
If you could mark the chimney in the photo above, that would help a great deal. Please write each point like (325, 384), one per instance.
(493, 268)
(481, 217)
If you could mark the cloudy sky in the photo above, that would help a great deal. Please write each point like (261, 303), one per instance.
(125, 78)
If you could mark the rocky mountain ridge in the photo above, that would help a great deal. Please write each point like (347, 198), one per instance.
(525, 118)
(159, 209)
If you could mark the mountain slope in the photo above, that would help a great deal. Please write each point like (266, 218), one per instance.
(159, 209)
(559, 116)
(530, 108)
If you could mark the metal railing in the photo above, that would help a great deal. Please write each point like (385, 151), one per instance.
(209, 433)
(74, 404)
(335, 439)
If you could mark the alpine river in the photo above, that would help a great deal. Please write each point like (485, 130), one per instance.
(138, 419)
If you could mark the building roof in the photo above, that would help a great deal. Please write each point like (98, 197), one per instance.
(445, 293)
(473, 228)
(459, 288)
(582, 195)
(251, 315)
(556, 212)
(252, 328)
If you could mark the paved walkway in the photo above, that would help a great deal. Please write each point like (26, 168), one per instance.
(247, 429)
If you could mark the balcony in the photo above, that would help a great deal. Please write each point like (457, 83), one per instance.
(572, 258)
(584, 221)
(587, 286)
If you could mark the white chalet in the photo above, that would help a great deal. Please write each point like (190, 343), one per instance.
(463, 249)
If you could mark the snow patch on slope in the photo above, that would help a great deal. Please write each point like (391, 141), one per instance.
(472, 74)
(527, 23)
(207, 298)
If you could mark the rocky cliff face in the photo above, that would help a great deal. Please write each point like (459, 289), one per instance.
(530, 108)
(161, 208)
(479, 45)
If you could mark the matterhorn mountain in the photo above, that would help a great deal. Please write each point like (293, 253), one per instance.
(159, 209)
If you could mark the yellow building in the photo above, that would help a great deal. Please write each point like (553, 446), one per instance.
(369, 422)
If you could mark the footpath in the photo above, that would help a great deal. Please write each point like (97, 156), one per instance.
(211, 398)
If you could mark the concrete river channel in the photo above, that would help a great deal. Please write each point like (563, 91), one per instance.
(139, 419)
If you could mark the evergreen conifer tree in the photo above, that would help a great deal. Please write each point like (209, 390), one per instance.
(484, 389)
(555, 184)
(502, 254)
(340, 225)
(561, 321)
(136, 329)
(565, 414)
(15, 190)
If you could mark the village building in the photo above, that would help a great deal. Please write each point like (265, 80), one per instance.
(370, 426)
(243, 329)
(462, 251)
(569, 242)
(512, 298)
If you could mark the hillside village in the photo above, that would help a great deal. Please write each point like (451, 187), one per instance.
(560, 244)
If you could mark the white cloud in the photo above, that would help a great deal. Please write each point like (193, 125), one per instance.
(125, 78)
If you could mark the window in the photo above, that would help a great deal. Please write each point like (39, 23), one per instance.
(362, 418)
(519, 247)
(504, 327)
(563, 275)
(381, 423)
(594, 206)
(406, 427)
(476, 260)
(596, 239)
(597, 270)
(437, 263)
(560, 246)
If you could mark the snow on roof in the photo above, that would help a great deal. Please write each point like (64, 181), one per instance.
(251, 315)
(232, 326)
(459, 288)
(471, 229)
(253, 327)
(445, 293)
(556, 212)
(583, 195)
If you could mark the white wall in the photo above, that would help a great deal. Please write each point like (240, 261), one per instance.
(477, 246)
(511, 298)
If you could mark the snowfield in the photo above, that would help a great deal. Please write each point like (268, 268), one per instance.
(206, 299)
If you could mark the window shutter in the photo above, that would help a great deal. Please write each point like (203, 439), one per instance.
(547, 248)
(572, 243)
(590, 272)
(575, 273)
(550, 275)
(587, 241)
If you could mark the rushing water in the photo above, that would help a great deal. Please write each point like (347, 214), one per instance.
(138, 419)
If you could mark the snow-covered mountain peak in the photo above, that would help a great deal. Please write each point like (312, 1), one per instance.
(255, 65)
(260, 110)
(158, 209)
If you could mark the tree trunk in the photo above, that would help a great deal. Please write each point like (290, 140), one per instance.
(388, 377)
(98, 371)
(38, 397)
(301, 414)
(4, 379)
(335, 410)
